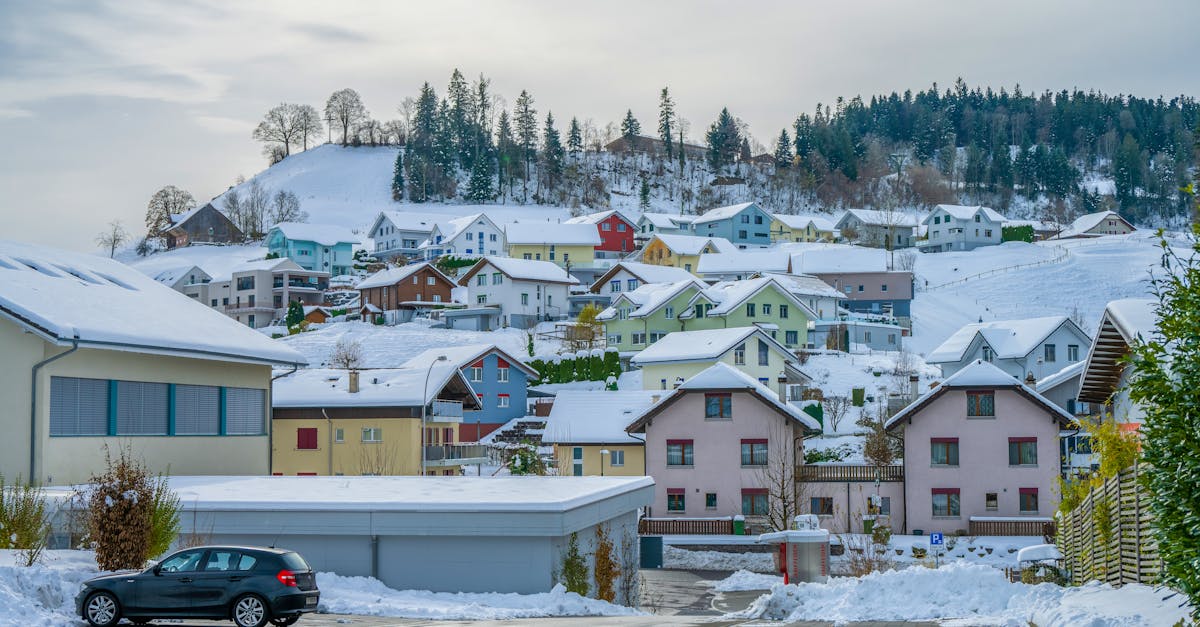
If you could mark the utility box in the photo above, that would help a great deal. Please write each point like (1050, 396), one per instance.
(803, 551)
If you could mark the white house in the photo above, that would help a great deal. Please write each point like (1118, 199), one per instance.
(469, 236)
(627, 276)
(525, 290)
(875, 228)
(1096, 225)
(400, 233)
(650, 224)
(1037, 347)
(820, 297)
(741, 264)
(955, 227)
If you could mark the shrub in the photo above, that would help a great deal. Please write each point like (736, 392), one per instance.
(120, 501)
(606, 569)
(164, 518)
(24, 524)
(574, 568)
(524, 460)
(1023, 233)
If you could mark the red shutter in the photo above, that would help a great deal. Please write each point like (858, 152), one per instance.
(500, 363)
(478, 364)
(669, 442)
(945, 490)
(675, 490)
(1023, 439)
(1027, 490)
(306, 439)
(754, 441)
(944, 440)
(747, 491)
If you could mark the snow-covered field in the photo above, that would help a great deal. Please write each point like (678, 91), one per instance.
(969, 594)
(44, 596)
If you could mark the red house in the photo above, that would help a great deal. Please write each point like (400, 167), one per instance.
(616, 230)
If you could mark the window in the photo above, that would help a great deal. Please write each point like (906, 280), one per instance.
(749, 310)
(245, 411)
(502, 374)
(197, 410)
(141, 408)
(552, 252)
(631, 284)
(527, 256)
(821, 505)
(182, 562)
(306, 439)
(867, 337)
(656, 336)
(372, 434)
(745, 219)
(639, 337)
(250, 300)
(977, 217)
(492, 238)
(577, 461)
(430, 281)
(758, 219)
(524, 298)
(481, 299)
(616, 458)
(981, 403)
(945, 502)
(675, 502)
(987, 232)
(766, 309)
(741, 235)
(699, 311)
(470, 235)
(710, 500)
(481, 279)
(1072, 352)
(339, 435)
(764, 355)
(718, 406)
(990, 502)
(791, 338)
(783, 312)
(245, 282)
(214, 302)
(987, 354)
(497, 278)
(501, 400)
(1049, 352)
(614, 338)
(679, 452)
(754, 452)
(604, 226)
(861, 287)
(739, 355)
(477, 373)
(78, 406)
(883, 288)
(669, 313)
(943, 451)
(614, 286)
(885, 505)
(754, 501)
(1029, 500)
(1022, 451)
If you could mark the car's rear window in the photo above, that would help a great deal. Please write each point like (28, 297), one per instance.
(294, 561)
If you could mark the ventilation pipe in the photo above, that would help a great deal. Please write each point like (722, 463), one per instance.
(354, 382)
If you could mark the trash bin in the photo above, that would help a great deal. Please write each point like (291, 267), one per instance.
(858, 396)
(739, 525)
(804, 551)
(651, 552)
(868, 524)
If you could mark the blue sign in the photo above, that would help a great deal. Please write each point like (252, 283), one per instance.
(935, 538)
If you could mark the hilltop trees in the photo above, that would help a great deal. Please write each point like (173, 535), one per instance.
(666, 122)
(345, 111)
(112, 237)
(630, 127)
(166, 202)
(724, 141)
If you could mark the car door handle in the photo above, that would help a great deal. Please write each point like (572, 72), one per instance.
(236, 578)
(185, 580)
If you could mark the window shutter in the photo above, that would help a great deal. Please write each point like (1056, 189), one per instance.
(141, 408)
(245, 411)
(197, 410)
(78, 406)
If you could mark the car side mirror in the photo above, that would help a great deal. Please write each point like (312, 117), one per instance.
(157, 569)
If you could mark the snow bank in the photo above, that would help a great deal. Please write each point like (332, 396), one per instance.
(746, 580)
(717, 560)
(42, 595)
(974, 593)
(367, 596)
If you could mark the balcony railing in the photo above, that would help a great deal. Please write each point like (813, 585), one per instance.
(456, 453)
(446, 409)
(296, 284)
(848, 472)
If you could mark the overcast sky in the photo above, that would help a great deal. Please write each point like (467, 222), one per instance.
(102, 103)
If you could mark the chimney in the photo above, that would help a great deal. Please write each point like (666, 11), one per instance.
(1029, 379)
(354, 382)
(782, 388)
(654, 398)
(914, 386)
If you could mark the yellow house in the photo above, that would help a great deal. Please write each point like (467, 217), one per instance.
(100, 358)
(568, 245)
(801, 228)
(683, 251)
(587, 430)
(369, 422)
(681, 355)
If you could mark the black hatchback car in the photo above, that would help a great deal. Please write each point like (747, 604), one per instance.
(249, 585)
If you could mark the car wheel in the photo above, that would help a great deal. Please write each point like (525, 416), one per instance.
(284, 621)
(250, 611)
(102, 610)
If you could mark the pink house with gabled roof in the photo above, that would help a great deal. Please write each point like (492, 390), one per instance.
(981, 446)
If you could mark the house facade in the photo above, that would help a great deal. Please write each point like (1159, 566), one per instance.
(370, 422)
(878, 229)
(499, 380)
(955, 227)
(1034, 347)
(802, 228)
(317, 247)
(525, 291)
(681, 355)
(202, 225)
(587, 430)
(981, 445)
(651, 224)
(258, 292)
(567, 245)
(81, 384)
(715, 444)
(470, 236)
(627, 276)
(417, 285)
(746, 225)
(682, 251)
(398, 234)
(886, 293)
(615, 230)
(1097, 225)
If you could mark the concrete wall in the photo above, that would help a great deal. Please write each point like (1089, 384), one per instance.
(983, 459)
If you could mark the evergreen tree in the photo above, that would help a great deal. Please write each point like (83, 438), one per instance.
(479, 189)
(629, 126)
(666, 119)
(525, 117)
(552, 155)
(644, 194)
(1001, 172)
(574, 138)
(460, 118)
(481, 127)
(783, 150)
(419, 147)
(1127, 170)
(724, 141)
(506, 154)
(398, 177)
(295, 314)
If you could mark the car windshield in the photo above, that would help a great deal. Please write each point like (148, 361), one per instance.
(294, 562)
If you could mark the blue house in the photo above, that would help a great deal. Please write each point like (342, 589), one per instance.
(498, 378)
(321, 247)
(746, 225)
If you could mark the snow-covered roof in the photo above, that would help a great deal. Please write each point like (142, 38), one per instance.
(562, 234)
(522, 269)
(722, 213)
(1122, 323)
(702, 345)
(180, 218)
(748, 261)
(65, 296)
(322, 234)
(727, 296)
(596, 416)
(1086, 223)
(385, 387)
(462, 356)
(978, 374)
(1134, 316)
(963, 212)
(801, 221)
(598, 217)
(694, 244)
(722, 376)
(401, 494)
(451, 229)
(408, 221)
(1062, 376)
(1009, 339)
(391, 276)
(876, 217)
(837, 258)
(171, 276)
(645, 272)
(805, 285)
(278, 263)
(660, 220)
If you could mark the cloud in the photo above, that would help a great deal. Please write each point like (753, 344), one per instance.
(222, 124)
(8, 113)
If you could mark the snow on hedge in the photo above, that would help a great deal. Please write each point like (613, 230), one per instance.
(973, 593)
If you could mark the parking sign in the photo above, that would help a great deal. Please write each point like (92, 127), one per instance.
(935, 538)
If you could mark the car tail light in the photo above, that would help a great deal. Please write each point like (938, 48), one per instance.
(287, 578)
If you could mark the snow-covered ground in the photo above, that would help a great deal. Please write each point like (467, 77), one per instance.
(970, 594)
(44, 595)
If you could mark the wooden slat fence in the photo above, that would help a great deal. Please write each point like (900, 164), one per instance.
(1108, 536)
(848, 472)
(1012, 528)
(685, 526)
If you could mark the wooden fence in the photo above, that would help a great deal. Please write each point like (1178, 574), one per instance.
(1002, 527)
(848, 472)
(685, 526)
(1108, 536)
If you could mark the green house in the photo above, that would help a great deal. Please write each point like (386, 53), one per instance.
(639, 318)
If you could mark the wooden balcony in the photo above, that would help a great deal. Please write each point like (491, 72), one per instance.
(848, 472)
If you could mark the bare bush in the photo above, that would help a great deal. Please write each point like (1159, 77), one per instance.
(347, 355)
(865, 555)
(119, 506)
(836, 408)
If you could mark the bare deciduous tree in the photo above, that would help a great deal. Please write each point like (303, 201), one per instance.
(879, 448)
(308, 124)
(347, 355)
(112, 237)
(778, 477)
(378, 458)
(836, 408)
(906, 260)
(345, 111)
(285, 207)
(165, 203)
(280, 126)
